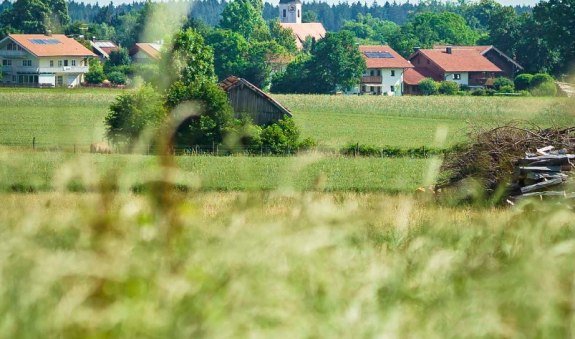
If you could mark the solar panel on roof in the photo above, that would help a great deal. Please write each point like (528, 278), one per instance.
(378, 55)
(44, 41)
(105, 44)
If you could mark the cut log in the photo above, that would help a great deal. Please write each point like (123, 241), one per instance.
(541, 185)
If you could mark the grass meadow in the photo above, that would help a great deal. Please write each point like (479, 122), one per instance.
(57, 117)
(315, 245)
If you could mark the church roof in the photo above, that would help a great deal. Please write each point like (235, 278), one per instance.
(301, 31)
(290, 1)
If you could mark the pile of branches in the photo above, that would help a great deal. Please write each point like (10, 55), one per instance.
(491, 157)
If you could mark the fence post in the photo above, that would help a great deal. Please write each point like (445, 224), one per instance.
(74, 148)
(33, 143)
(261, 151)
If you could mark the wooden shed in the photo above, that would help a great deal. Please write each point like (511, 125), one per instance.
(246, 98)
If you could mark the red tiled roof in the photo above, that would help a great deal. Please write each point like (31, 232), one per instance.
(413, 76)
(460, 60)
(480, 49)
(397, 61)
(303, 30)
(42, 45)
(151, 49)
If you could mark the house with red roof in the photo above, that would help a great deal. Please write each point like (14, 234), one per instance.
(467, 67)
(509, 66)
(384, 72)
(43, 60)
(146, 52)
(103, 48)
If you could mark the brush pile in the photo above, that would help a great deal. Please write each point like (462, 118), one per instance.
(511, 161)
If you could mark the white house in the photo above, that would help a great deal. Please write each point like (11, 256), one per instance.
(43, 60)
(384, 73)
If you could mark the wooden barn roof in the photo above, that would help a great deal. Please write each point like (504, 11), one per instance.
(233, 81)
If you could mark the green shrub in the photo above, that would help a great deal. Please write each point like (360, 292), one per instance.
(117, 78)
(281, 137)
(448, 87)
(505, 89)
(95, 74)
(501, 82)
(131, 113)
(540, 78)
(523, 82)
(428, 86)
(479, 92)
(545, 89)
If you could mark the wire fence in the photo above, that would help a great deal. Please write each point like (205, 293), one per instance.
(351, 150)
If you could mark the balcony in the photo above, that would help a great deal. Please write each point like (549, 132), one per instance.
(371, 80)
(12, 54)
(64, 69)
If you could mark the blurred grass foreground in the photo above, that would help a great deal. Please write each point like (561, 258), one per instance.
(281, 263)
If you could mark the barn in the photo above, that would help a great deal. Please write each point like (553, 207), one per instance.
(247, 98)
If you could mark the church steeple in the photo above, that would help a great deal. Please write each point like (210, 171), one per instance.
(290, 11)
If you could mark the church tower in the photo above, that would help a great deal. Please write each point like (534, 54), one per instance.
(290, 11)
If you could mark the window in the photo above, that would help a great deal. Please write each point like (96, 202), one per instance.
(456, 76)
(298, 14)
(73, 62)
(379, 72)
(14, 78)
(6, 62)
(392, 88)
(372, 72)
(392, 74)
(371, 89)
(65, 63)
(284, 13)
(51, 63)
(26, 63)
(59, 80)
(59, 63)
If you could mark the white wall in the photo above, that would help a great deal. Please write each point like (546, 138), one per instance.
(47, 79)
(463, 81)
(291, 16)
(396, 81)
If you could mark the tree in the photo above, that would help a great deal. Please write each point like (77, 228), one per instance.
(230, 52)
(309, 16)
(427, 29)
(242, 17)
(558, 19)
(188, 60)
(95, 75)
(206, 124)
(282, 36)
(121, 57)
(336, 63)
(36, 16)
(132, 113)
(368, 29)
(428, 86)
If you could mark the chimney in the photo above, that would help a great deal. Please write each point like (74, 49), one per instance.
(449, 49)
(416, 49)
(48, 32)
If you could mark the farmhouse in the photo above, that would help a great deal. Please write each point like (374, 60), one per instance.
(43, 60)
(103, 48)
(246, 98)
(509, 66)
(146, 52)
(290, 18)
(384, 72)
(467, 67)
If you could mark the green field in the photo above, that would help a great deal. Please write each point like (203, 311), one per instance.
(46, 171)
(57, 117)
